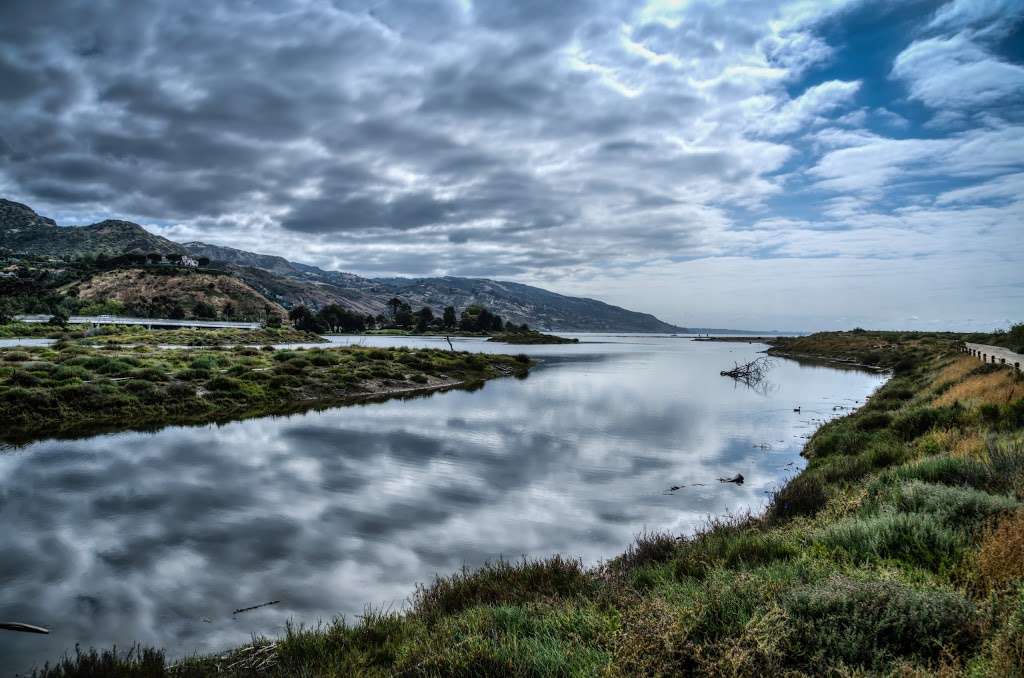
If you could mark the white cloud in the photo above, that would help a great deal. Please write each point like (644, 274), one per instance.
(958, 73)
(815, 101)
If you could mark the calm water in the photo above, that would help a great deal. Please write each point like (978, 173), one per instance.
(157, 537)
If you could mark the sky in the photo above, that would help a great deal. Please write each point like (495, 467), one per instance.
(764, 164)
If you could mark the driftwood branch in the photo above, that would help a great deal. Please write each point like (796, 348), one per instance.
(751, 373)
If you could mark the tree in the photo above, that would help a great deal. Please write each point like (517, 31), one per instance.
(303, 319)
(424, 317)
(394, 306)
(204, 310)
(229, 311)
(403, 318)
(449, 319)
(203, 261)
(273, 320)
(6, 311)
(155, 258)
(60, 318)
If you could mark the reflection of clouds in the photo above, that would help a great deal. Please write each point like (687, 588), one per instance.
(140, 536)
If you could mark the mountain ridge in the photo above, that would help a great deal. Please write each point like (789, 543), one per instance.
(290, 283)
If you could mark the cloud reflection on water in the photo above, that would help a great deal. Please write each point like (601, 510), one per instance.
(144, 536)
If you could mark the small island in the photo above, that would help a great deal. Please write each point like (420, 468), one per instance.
(70, 388)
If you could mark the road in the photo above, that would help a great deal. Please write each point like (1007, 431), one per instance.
(147, 322)
(996, 354)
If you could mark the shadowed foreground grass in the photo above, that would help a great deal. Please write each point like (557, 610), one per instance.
(70, 388)
(898, 551)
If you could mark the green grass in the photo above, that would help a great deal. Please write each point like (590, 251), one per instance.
(70, 388)
(870, 562)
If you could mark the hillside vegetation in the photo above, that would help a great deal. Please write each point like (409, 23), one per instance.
(899, 550)
(167, 292)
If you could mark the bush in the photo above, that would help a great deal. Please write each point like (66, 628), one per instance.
(504, 583)
(1001, 557)
(958, 507)
(23, 378)
(16, 356)
(916, 422)
(66, 373)
(804, 495)
(648, 548)
(873, 421)
(418, 378)
(224, 384)
(838, 438)
(148, 374)
(911, 537)
(942, 470)
(730, 545)
(191, 374)
(868, 624)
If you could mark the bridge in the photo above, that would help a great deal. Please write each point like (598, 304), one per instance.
(145, 322)
(995, 355)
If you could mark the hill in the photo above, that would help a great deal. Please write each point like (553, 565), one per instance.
(22, 230)
(288, 284)
(292, 283)
(173, 292)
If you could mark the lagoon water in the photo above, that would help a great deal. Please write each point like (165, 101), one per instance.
(158, 537)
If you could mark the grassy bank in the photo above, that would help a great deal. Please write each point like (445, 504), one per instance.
(898, 551)
(137, 334)
(133, 335)
(69, 388)
(531, 338)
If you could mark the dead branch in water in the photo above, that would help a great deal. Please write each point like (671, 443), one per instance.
(751, 373)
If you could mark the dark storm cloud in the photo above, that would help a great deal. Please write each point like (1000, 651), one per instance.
(345, 117)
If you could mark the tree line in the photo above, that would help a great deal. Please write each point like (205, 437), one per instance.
(401, 316)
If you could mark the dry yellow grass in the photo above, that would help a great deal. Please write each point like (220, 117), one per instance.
(968, 443)
(957, 370)
(996, 388)
(1001, 556)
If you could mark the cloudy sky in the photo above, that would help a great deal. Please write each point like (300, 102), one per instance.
(765, 164)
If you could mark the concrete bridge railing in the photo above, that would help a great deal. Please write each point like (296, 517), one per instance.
(995, 355)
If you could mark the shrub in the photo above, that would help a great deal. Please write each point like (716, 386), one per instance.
(730, 544)
(522, 358)
(418, 378)
(651, 641)
(191, 374)
(841, 438)
(916, 422)
(16, 356)
(648, 548)
(912, 537)
(504, 583)
(66, 373)
(1000, 558)
(138, 662)
(23, 378)
(873, 421)
(846, 468)
(942, 470)
(224, 384)
(868, 624)
(148, 374)
(961, 507)
(804, 495)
